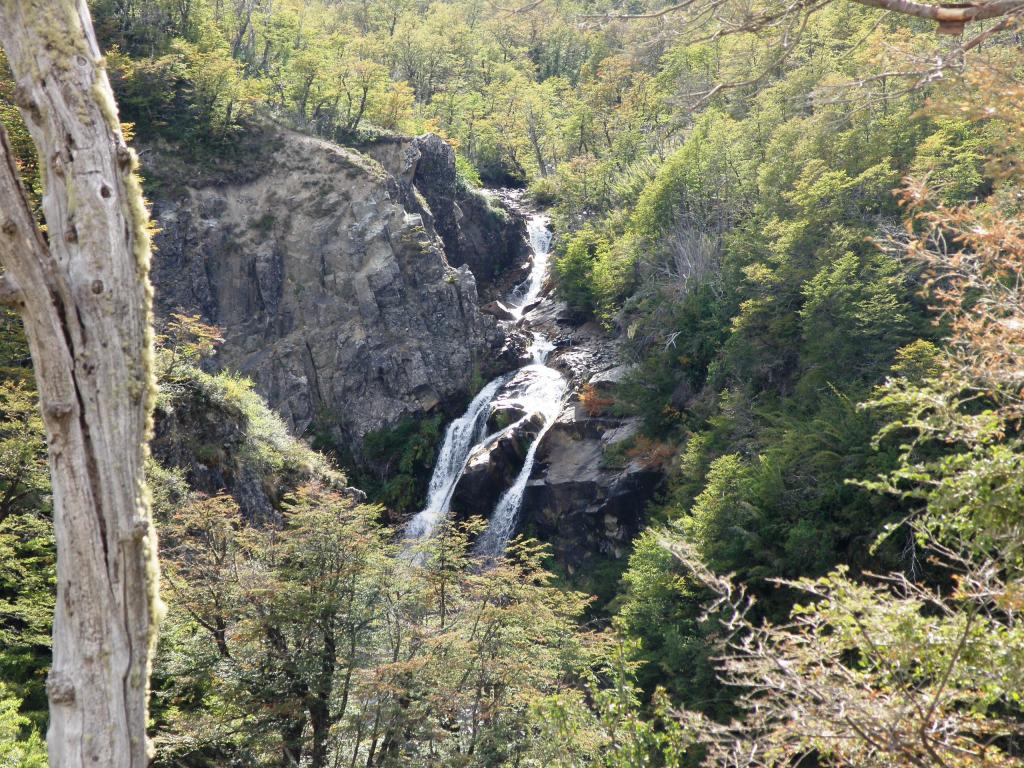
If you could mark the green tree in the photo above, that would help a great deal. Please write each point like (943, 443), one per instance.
(20, 745)
(318, 642)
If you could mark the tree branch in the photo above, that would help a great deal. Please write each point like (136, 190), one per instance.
(20, 238)
(650, 15)
(951, 17)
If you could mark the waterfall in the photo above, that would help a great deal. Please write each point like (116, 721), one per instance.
(544, 398)
(529, 290)
(535, 389)
(459, 439)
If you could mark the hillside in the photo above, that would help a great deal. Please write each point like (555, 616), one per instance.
(572, 384)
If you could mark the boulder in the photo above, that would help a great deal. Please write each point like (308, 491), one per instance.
(515, 351)
(493, 467)
(607, 379)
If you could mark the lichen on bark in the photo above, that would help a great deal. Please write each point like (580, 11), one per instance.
(88, 315)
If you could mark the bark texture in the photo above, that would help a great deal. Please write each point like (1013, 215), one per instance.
(949, 13)
(84, 293)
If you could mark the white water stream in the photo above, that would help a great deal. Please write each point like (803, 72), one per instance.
(535, 389)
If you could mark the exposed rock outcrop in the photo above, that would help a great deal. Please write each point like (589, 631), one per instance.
(347, 287)
(333, 296)
(583, 499)
(224, 439)
(498, 310)
(478, 230)
(587, 493)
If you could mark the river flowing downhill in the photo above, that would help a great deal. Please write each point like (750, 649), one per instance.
(535, 390)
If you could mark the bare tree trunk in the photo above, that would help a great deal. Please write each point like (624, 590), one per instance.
(84, 293)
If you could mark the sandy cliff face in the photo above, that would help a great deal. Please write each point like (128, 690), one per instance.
(333, 296)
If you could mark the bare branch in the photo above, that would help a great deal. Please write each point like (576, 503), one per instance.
(951, 18)
(650, 15)
(516, 11)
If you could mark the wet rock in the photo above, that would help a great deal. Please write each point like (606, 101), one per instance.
(503, 416)
(585, 352)
(515, 350)
(493, 467)
(499, 310)
(579, 502)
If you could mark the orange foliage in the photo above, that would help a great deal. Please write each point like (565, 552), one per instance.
(592, 401)
(973, 254)
(651, 453)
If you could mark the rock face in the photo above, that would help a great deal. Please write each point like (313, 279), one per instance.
(333, 296)
(587, 493)
(580, 501)
(348, 287)
(478, 230)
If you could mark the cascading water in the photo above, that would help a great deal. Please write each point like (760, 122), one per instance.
(542, 395)
(529, 290)
(535, 389)
(462, 434)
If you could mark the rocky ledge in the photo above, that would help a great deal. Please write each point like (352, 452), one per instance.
(591, 484)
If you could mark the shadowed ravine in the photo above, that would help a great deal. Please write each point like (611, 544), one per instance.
(535, 390)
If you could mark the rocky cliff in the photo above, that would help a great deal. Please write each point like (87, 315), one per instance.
(328, 274)
(348, 285)
(477, 229)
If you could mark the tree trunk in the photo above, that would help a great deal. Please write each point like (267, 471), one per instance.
(84, 294)
(535, 143)
(321, 693)
(291, 742)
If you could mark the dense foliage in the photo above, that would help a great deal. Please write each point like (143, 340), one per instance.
(832, 368)
(394, 463)
(27, 551)
(506, 88)
(739, 260)
(323, 640)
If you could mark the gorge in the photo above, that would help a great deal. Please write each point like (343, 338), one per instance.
(547, 384)
(332, 274)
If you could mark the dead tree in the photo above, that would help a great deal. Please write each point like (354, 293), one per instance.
(83, 290)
